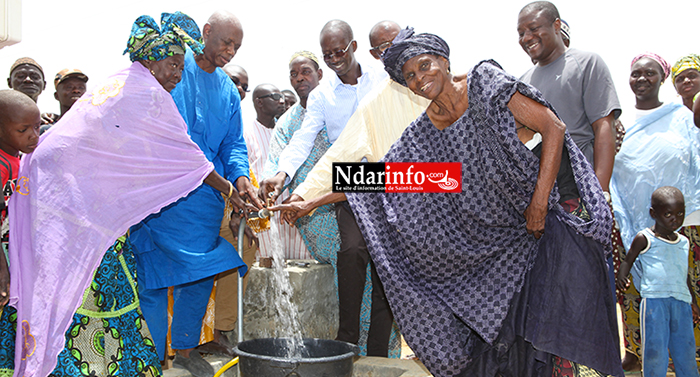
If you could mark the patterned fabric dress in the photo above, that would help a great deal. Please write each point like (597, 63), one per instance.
(8, 330)
(472, 292)
(108, 335)
(320, 230)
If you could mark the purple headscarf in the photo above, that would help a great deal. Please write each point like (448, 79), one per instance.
(406, 45)
(662, 62)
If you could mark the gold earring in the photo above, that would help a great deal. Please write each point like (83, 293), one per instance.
(153, 73)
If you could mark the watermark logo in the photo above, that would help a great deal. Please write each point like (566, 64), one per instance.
(397, 177)
(444, 181)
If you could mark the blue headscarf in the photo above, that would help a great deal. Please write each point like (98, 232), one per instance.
(148, 41)
(406, 45)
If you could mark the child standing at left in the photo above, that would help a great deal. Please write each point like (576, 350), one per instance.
(20, 120)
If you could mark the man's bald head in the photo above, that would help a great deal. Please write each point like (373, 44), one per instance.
(383, 32)
(289, 99)
(337, 27)
(381, 35)
(223, 36)
(264, 89)
(235, 69)
(239, 76)
(269, 104)
(223, 18)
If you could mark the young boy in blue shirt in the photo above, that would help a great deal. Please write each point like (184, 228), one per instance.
(658, 258)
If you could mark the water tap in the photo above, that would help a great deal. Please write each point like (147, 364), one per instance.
(262, 214)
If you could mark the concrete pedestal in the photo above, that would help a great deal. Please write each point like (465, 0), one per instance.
(314, 293)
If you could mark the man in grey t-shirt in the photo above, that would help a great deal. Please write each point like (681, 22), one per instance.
(577, 83)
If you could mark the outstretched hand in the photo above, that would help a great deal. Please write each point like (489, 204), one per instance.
(293, 208)
(272, 187)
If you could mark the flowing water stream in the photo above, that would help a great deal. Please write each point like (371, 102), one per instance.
(287, 313)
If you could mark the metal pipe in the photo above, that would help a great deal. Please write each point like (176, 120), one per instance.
(241, 230)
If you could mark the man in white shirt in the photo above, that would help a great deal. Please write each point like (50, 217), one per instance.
(377, 123)
(330, 105)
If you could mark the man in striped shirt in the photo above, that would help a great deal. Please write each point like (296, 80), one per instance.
(269, 105)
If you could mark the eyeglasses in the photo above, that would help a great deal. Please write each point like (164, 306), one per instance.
(379, 50)
(275, 96)
(338, 53)
(236, 82)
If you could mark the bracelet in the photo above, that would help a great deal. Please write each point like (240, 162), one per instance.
(230, 189)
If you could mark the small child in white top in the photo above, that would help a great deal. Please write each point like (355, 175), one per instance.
(658, 258)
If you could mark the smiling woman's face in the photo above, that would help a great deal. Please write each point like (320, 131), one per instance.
(646, 77)
(426, 75)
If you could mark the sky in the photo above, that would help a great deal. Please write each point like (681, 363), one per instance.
(91, 34)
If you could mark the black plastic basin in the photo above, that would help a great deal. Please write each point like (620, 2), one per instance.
(319, 358)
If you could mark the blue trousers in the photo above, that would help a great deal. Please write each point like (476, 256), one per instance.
(189, 307)
(667, 325)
